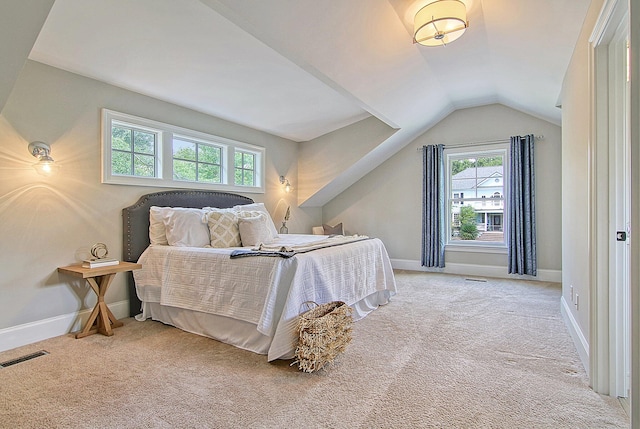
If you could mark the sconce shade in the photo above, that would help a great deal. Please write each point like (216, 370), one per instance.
(45, 165)
(285, 182)
(440, 23)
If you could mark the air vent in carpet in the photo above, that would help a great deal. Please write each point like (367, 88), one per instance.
(23, 358)
(476, 280)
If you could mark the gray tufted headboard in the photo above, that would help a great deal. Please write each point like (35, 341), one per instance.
(135, 223)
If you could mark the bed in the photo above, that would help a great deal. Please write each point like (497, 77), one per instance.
(249, 299)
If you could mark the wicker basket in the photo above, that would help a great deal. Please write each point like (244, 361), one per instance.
(323, 333)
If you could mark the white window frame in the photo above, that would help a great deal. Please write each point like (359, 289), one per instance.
(164, 156)
(470, 152)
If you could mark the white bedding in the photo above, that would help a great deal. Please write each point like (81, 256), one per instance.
(265, 292)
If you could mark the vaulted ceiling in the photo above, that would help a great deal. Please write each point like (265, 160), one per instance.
(301, 69)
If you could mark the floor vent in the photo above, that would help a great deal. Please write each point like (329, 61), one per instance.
(23, 358)
(476, 280)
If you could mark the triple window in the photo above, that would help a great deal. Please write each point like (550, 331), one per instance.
(138, 151)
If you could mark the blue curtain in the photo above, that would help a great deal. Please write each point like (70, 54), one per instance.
(433, 206)
(522, 207)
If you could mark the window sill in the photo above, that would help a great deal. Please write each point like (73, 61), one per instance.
(476, 248)
(179, 184)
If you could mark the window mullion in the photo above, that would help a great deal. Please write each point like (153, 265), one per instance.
(132, 170)
(166, 150)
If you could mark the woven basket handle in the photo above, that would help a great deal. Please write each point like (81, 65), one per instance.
(308, 304)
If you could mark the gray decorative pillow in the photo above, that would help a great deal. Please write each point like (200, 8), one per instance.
(333, 230)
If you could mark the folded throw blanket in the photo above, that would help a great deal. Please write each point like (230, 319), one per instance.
(289, 251)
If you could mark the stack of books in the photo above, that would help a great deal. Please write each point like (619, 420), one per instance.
(103, 262)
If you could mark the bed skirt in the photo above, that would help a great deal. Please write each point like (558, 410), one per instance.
(245, 335)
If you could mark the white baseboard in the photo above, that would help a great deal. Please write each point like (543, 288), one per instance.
(580, 341)
(20, 335)
(477, 270)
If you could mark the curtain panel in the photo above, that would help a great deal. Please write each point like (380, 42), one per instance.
(433, 206)
(522, 207)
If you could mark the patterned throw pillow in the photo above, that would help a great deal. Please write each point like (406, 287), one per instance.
(223, 228)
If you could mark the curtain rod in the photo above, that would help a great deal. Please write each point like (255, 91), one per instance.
(483, 143)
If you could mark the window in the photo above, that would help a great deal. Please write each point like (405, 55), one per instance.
(245, 172)
(138, 151)
(196, 161)
(133, 150)
(475, 189)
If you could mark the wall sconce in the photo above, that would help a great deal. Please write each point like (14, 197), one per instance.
(285, 182)
(45, 165)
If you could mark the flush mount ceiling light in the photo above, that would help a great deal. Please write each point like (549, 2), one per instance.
(440, 23)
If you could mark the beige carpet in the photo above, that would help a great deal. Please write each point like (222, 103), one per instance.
(446, 353)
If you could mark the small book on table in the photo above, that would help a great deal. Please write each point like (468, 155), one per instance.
(95, 263)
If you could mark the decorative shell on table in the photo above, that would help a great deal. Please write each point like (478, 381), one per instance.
(99, 251)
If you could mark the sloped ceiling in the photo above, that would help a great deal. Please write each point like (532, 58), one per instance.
(20, 23)
(301, 69)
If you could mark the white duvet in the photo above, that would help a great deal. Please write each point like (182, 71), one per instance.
(266, 291)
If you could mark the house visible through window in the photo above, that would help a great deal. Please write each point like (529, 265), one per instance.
(139, 151)
(475, 189)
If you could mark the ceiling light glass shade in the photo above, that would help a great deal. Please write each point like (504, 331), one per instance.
(440, 23)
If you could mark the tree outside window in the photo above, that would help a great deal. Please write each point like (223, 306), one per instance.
(133, 151)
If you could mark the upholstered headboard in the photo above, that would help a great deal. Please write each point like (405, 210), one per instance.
(135, 223)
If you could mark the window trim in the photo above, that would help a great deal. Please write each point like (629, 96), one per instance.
(164, 156)
(475, 245)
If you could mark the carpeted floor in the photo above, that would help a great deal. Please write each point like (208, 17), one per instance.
(445, 353)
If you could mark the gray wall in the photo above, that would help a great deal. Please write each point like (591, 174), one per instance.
(51, 222)
(322, 159)
(576, 123)
(387, 202)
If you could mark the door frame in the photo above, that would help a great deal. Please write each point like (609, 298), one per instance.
(619, 210)
(603, 322)
(599, 353)
(634, 140)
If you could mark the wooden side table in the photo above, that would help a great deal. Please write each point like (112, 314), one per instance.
(101, 319)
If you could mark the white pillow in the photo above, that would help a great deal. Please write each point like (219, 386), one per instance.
(157, 231)
(261, 208)
(223, 228)
(186, 227)
(254, 229)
